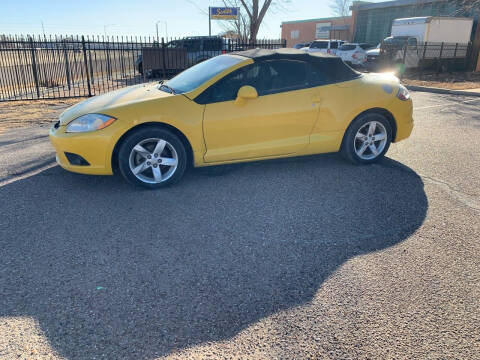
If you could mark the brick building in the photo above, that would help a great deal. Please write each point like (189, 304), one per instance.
(372, 22)
(323, 28)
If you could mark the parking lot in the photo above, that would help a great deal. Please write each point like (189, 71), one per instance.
(294, 258)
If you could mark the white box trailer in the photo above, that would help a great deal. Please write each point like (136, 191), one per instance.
(430, 37)
(434, 29)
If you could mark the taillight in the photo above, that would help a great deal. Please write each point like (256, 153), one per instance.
(403, 93)
(224, 51)
(355, 55)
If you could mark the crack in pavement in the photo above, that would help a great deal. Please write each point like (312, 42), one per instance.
(471, 201)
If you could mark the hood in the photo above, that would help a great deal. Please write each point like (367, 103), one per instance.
(102, 103)
(375, 52)
(387, 80)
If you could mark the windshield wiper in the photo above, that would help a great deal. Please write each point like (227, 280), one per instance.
(162, 84)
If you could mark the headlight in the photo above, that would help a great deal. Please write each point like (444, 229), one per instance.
(89, 122)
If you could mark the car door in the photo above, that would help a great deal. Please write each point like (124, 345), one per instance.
(277, 122)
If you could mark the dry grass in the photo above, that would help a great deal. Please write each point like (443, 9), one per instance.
(16, 114)
(452, 81)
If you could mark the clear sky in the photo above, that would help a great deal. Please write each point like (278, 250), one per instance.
(137, 17)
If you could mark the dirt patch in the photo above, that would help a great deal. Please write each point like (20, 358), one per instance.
(17, 114)
(452, 81)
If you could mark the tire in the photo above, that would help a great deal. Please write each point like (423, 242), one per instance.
(152, 157)
(357, 138)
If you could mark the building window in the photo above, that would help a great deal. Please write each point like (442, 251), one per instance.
(322, 30)
(294, 34)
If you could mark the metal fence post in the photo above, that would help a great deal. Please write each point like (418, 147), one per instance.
(163, 59)
(67, 65)
(86, 65)
(439, 67)
(34, 67)
(91, 65)
(405, 48)
(425, 45)
(469, 57)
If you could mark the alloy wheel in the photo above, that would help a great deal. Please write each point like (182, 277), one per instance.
(370, 140)
(153, 160)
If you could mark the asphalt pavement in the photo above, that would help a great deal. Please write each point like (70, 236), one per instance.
(288, 259)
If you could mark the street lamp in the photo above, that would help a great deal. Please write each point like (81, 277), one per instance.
(166, 30)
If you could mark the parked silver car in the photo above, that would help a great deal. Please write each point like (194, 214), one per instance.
(354, 53)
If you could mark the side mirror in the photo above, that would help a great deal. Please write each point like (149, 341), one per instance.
(245, 93)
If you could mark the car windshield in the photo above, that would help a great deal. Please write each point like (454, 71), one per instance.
(366, 46)
(196, 75)
(396, 41)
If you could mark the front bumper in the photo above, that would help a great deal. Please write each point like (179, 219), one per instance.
(95, 147)
(404, 118)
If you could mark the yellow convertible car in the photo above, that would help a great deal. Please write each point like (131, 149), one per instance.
(249, 105)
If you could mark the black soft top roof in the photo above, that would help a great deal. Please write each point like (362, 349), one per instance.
(287, 54)
(331, 66)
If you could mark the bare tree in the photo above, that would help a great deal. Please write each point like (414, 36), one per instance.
(239, 28)
(255, 13)
(340, 8)
(468, 7)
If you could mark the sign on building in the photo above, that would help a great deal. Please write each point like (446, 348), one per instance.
(224, 13)
(322, 30)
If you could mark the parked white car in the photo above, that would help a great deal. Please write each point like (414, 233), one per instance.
(354, 53)
(325, 46)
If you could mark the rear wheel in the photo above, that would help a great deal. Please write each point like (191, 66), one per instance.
(152, 157)
(367, 139)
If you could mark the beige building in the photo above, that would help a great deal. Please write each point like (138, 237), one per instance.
(323, 28)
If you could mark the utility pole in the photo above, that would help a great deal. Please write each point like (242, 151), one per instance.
(166, 30)
(209, 22)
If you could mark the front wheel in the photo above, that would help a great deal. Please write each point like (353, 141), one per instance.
(152, 157)
(367, 139)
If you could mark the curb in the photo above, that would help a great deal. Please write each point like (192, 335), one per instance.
(442, 91)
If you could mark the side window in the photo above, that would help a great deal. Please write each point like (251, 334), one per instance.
(319, 45)
(334, 45)
(330, 72)
(283, 75)
(226, 89)
(318, 75)
(267, 77)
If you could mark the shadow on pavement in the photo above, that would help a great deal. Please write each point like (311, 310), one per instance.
(111, 270)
